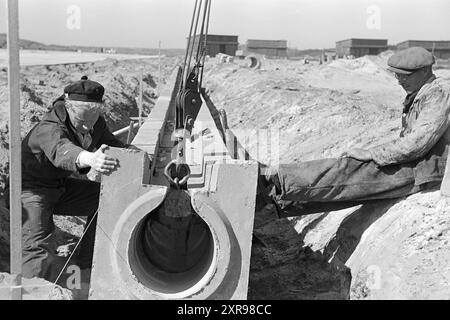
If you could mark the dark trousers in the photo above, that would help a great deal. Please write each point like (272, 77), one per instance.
(334, 184)
(75, 198)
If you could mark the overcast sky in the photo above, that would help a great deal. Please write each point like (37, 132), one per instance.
(303, 23)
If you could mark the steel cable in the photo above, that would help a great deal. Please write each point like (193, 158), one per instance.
(188, 44)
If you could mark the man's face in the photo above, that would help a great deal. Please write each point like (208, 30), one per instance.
(412, 82)
(83, 118)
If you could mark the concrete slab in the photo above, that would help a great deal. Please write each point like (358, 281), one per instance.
(222, 193)
(226, 203)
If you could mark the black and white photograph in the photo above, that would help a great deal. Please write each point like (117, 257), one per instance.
(238, 152)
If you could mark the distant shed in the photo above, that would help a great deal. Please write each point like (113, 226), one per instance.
(268, 48)
(215, 44)
(360, 47)
(440, 49)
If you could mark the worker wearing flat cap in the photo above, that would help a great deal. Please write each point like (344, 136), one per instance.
(71, 138)
(412, 162)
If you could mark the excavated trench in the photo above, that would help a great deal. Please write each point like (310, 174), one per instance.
(279, 269)
(42, 84)
(281, 266)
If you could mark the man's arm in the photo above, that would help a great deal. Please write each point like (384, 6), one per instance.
(64, 154)
(56, 145)
(432, 122)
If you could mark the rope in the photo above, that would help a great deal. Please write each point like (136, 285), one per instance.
(188, 44)
(192, 47)
(200, 54)
(202, 30)
(205, 43)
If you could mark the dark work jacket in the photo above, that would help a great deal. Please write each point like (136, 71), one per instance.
(425, 135)
(51, 148)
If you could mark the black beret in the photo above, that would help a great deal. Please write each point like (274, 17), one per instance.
(85, 90)
(409, 60)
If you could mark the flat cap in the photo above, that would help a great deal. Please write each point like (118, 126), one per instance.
(409, 60)
(85, 90)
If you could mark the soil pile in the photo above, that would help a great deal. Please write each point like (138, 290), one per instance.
(387, 250)
(41, 85)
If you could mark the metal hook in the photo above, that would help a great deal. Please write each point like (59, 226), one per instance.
(179, 180)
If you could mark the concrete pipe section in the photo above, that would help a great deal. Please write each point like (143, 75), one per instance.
(169, 259)
(253, 62)
(145, 251)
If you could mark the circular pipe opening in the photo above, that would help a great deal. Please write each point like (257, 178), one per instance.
(253, 62)
(172, 256)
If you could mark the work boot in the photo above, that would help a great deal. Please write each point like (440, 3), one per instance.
(268, 186)
(269, 192)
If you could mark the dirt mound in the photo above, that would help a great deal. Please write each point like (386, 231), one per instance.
(387, 250)
(395, 249)
(40, 85)
(364, 64)
(314, 118)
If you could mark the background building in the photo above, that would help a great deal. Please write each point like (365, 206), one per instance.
(360, 47)
(440, 49)
(268, 48)
(328, 55)
(218, 44)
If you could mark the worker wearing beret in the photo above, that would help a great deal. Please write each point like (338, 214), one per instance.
(408, 164)
(71, 138)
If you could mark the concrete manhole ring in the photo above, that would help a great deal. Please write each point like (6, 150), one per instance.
(145, 281)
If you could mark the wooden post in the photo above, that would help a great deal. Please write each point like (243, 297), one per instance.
(141, 76)
(130, 132)
(15, 156)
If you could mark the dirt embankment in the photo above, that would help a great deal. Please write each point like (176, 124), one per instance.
(40, 85)
(387, 250)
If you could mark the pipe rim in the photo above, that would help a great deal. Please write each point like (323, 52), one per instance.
(131, 219)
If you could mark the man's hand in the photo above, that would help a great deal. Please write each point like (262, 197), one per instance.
(358, 154)
(98, 160)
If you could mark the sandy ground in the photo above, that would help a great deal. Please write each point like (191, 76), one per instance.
(42, 57)
(392, 249)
